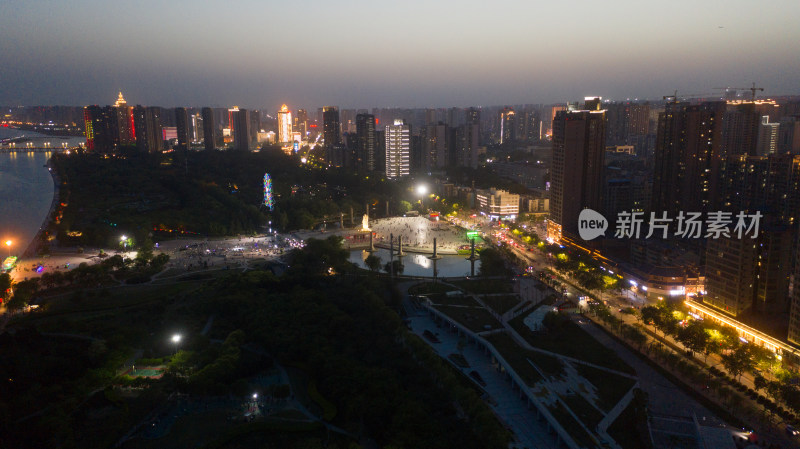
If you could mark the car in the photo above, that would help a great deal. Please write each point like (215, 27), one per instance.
(791, 430)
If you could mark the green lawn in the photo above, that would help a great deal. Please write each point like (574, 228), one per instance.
(501, 304)
(589, 415)
(611, 388)
(571, 426)
(453, 300)
(520, 359)
(572, 341)
(625, 431)
(475, 319)
(484, 286)
(427, 288)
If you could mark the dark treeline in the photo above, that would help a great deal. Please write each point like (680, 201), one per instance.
(340, 336)
(211, 193)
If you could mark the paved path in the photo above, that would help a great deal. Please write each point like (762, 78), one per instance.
(528, 431)
(664, 397)
(506, 403)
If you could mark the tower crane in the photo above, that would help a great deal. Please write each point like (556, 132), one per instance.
(675, 96)
(752, 90)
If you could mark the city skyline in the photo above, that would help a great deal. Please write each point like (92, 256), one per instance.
(358, 55)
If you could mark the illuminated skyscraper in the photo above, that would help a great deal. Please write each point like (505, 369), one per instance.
(330, 126)
(284, 125)
(197, 128)
(577, 174)
(751, 275)
(398, 149)
(687, 156)
(301, 123)
(767, 142)
(507, 125)
(100, 131)
(365, 138)
(124, 122)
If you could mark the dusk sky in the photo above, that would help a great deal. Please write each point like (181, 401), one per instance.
(407, 53)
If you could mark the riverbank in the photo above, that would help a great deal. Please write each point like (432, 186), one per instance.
(32, 247)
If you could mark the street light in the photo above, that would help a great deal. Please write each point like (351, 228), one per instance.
(8, 245)
(176, 339)
(124, 241)
(422, 189)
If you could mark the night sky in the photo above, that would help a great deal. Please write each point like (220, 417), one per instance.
(404, 53)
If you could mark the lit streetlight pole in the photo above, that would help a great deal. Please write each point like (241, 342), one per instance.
(8, 246)
(176, 339)
(422, 189)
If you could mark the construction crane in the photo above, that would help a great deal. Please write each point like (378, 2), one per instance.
(752, 90)
(675, 96)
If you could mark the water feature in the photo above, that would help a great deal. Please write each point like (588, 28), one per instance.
(419, 264)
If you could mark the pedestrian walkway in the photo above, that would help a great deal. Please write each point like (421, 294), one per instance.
(506, 403)
(664, 396)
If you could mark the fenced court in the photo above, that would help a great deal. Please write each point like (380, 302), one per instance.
(152, 372)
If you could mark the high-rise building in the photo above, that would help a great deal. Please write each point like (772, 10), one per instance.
(746, 276)
(182, 125)
(284, 125)
(197, 127)
(767, 141)
(467, 142)
(301, 123)
(147, 124)
(789, 135)
(209, 129)
(365, 142)
(331, 130)
(436, 144)
(741, 126)
(473, 116)
(577, 173)
(686, 159)
(398, 141)
(240, 128)
(507, 125)
(497, 204)
(255, 124)
(626, 120)
(98, 122)
(124, 121)
(380, 149)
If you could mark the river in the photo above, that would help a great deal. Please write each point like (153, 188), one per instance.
(26, 192)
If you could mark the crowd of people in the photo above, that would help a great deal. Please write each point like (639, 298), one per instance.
(419, 232)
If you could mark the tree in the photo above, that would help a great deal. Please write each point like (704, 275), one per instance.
(5, 284)
(492, 263)
(738, 361)
(693, 336)
(373, 262)
(396, 264)
(730, 337)
(651, 315)
(145, 252)
(404, 206)
(759, 382)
